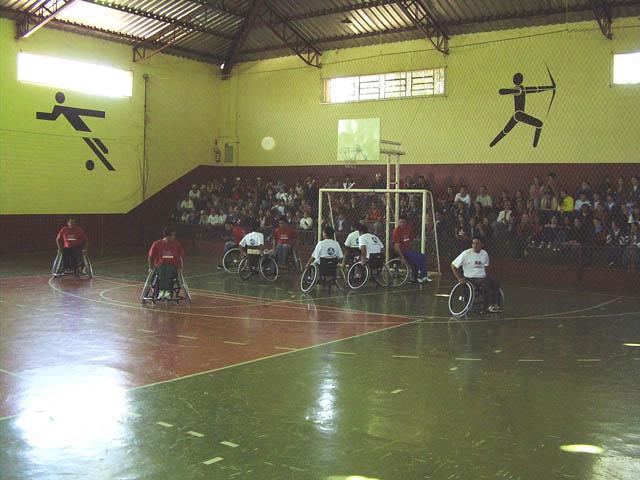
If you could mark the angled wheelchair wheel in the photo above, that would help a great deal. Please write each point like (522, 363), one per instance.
(358, 276)
(148, 290)
(244, 269)
(296, 260)
(56, 268)
(502, 301)
(88, 269)
(268, 268)
(309, 278)
(383, 276)
(461, 299)
(341, 279)
(231, 260)
(182, 284)
(398, 272)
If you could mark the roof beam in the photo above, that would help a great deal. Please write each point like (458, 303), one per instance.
(162, 18)
(38, 17)
(603, 17)
(342, 9)
(241, 36)
(418, 12)
(292, 38)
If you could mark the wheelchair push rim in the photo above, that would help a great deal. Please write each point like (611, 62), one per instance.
(358, 276)
(231, 260)
(268, 268)
(461, 299)
(309, 278)
(244, 269)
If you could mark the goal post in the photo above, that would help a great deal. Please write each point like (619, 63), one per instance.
(379, 210)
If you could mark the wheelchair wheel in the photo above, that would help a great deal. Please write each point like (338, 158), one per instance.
(56, 269)
(398, 271)
(88, 269)
(383, 276)
(244, 269)
(341, 279)
(231, 260)
(461, 299)
(296, 260)
(501, 301)
(182, 284)
(358, 276)
(309, 278)
(268, 268)
(148, 290)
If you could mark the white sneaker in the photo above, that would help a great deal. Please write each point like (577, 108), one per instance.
(496, 308)
(425, 279)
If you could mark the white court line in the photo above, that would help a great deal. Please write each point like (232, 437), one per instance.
(452, 369)
(229, 444)
(213, 460)
(285, 348)
(235, 343)
(344, 353)
(9, 373)
(187, 336)
(405, 356)
(20, 305)
(587, 360)
(464, 359)
(164, 424)
(529, 360)
(397, 391)
(631, 344)
(195, 434)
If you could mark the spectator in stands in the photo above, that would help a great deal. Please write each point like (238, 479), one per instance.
(550, 184)
(502, 223)
(620, 192)
(187, 204)
(617, 240)
(378, 183)
(407, 183)
(342, 225)
(566, 202)
(446, 200)
(634, 216)
(586, 189)
(484, 198)
(306, 222)
(331, 183)
(460, 209)
(597, 200)
(598, 234)
(462, 235)
(524, 234)
(479, 212)
(285, 238)
(631, 254)
(421, 183)
(611, 205)
(535, 191)
(634, 190)
(605, 186)
(348, 183)
(373, 219)
(582, 200)
(553, 235)
(463, 196)
(578, 235)
(194, 194)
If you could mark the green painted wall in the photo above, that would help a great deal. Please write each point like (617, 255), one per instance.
(590, 121)
(42, 164)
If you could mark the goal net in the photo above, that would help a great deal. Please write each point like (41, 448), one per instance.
(379, 210)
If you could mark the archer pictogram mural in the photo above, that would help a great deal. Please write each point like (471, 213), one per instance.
(519, 94)
(73, 116)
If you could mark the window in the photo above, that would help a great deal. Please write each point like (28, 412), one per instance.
(386, 85)
(626, 68)
(74, 75)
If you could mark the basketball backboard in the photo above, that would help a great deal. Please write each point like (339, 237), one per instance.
(359, 139)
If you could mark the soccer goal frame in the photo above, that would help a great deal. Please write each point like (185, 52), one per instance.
(427, 200)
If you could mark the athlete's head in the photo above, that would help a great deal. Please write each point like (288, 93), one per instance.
(169, 233)
(476, 244)
(328, 232)
(228, 225)
(283, 222)
(517, 79)
(402, 221)
(71, 222)
(363, 229)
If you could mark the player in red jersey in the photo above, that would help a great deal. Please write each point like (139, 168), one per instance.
(167, 256)
(71, 240)
(401, 239)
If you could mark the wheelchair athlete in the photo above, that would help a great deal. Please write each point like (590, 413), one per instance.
(401, 238)
(285, 239)
(166, 256)
(323, 263)
(325, 248)
(371, 261)
(352, 249)
(71, 242)
(254, 260)
(473, 262)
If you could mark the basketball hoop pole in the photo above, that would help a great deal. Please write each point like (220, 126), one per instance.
(389, 152)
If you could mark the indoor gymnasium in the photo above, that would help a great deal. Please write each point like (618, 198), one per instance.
(320, 239)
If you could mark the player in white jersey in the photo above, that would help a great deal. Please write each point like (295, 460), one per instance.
(370, 245)
(326, 248)
(351, 243)
(252, 241)
(471, 265)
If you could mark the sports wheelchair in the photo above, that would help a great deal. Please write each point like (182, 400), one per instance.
(327, 272)
(179, 288)
(293, 263)
(466, 297)
(231, 260)
(253, 263)
(359, 274)
(82, 267)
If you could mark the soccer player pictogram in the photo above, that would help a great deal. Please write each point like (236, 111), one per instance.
(519, 94)
(73, 116)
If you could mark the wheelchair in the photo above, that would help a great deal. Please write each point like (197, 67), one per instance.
(293, 263)
(359, 274)
(468, 297)
(327, 272)
(231, 260)
(82, 268)
(253, 264)
(179, 288)
(399, 272)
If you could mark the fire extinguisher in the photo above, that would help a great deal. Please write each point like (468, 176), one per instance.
(216, 151)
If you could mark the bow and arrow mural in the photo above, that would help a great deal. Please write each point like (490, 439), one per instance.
(519, 96)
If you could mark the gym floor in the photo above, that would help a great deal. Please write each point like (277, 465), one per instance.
(260, 381)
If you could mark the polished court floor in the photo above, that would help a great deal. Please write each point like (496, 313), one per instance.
(257, 381)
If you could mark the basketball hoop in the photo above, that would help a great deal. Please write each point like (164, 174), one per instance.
(348, 156)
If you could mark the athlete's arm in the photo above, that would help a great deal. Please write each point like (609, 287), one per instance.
(509, 91)
(363, 258)
(396, 248)
(458, 274)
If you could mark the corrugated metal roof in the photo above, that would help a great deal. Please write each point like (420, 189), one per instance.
(207, 29)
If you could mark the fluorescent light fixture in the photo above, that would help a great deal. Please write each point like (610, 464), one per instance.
(626, 68)
(73, 75)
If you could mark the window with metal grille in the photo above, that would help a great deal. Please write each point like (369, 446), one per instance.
(386, 85)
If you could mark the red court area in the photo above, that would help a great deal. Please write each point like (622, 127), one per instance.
(58, 332)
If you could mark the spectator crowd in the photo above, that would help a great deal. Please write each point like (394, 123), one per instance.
(597, 223)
